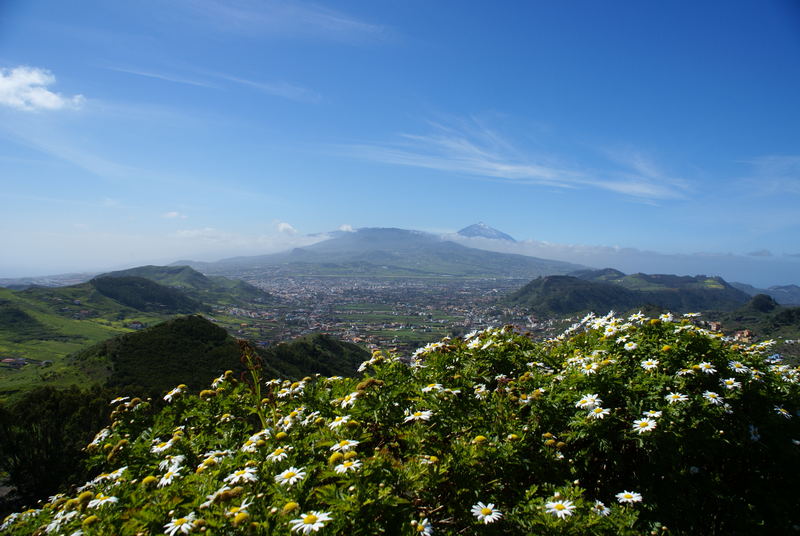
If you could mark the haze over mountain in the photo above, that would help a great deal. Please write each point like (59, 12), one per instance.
(481, 230)
(390, 252)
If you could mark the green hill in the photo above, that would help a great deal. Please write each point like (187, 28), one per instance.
(604, 290)
(316, 352)
(192, 350)
(145, 295)
(207, 289)
(189, 350)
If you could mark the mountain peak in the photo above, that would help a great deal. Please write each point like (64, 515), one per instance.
(482, 230)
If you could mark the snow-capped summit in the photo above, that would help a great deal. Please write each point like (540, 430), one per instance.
(484, 231)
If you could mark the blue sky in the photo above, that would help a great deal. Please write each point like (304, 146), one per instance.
(150, 131)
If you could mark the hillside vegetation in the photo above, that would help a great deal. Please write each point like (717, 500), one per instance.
(637, 426)
(605, 290)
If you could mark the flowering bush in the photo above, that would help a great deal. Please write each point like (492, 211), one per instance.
(616, 427)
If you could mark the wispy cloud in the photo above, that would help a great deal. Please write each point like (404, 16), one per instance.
(164, 76)
(773, 175)
(475, 150)
(285, 19)
(25, 88)
(277, 88)
(174, 214)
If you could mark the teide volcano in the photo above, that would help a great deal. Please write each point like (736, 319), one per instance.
(389, 252)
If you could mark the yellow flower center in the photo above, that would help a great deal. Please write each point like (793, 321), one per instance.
(417, 414)
(643, 424)
(310, 519)
(289, 475)
(348, 463)
(181, 521)
(559, 506)
(486, 511)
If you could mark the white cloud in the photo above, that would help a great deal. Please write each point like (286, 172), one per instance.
(173, 215)
(472, 149)
(347, 228)
(24, 88)
(286, 228)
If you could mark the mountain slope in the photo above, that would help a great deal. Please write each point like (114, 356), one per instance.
(783, 294)
(392, 253)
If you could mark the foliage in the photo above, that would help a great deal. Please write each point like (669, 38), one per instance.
(616, 427)
(42, 436)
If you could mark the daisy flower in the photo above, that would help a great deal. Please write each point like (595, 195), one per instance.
(588, 402)
(290, 476)
(101, 500)
(599, 413)
(783, 412)
(182, 524)
(650, 364)
(629, 346)
(432, 387)
(248, 474)
(160, 446)
(707, 367)
(345, 445)
(169, 476)
(278, 454)
(480, 391)
(589, 368)
(601, 509)
(486, 513)
(178, 390)
(423, 527)
(560, 509)
(349, 400)
(676, 397)
(643, 425)
(713, 397)
(737, 366)
(629, 497)
(347, 465)
(338, 421)
(731, 383)
(418, 416)
(653, 414)
(310, 522)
